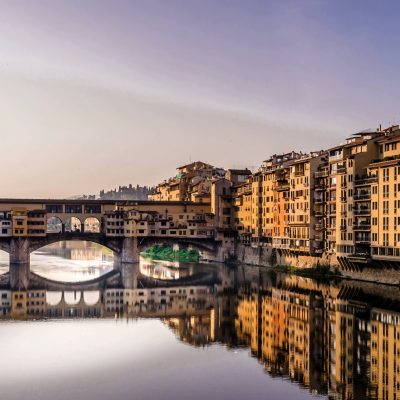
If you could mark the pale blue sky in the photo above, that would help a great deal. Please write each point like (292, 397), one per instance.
(99, 93)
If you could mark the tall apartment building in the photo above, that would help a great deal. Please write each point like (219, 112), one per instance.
(349, 195)
(242, 205)
(270, 197)
(384, 191)
(302, 219)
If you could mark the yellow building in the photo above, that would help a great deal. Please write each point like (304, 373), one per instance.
(384, 191)
(242, 211)
(19, 220)
(385, 354)
(167, 219)
(19, 304)
(192, 183)
(246, 323)
(302, 218)
(256, 208)
(349, 195)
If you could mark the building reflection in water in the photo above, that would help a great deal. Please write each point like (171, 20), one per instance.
(340, 340)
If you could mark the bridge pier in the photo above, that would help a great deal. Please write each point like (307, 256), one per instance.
(129, 251)
(19, 263)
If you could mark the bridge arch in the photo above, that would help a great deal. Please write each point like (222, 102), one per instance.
(38, 243)
(201, 245)
(204, 247)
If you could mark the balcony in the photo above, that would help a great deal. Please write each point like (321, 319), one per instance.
(319, 187)
(366, 180)
(331, 238)
(362, 227)
(336, 157)
(341, 170)
(362, 196)
(362, 211)
(318, 227)
(321, 174)
(282, 187)
(363, 239)
(318, 200)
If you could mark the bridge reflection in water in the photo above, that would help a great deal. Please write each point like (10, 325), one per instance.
(335, 339)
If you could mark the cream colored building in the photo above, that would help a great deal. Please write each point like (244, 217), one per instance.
(384, 191)
(302, 218)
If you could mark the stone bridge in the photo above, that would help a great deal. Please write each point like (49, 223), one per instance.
(126, 249)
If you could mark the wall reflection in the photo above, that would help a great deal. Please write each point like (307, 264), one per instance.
(338, 339)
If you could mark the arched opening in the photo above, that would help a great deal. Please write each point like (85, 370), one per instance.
(4, 262)
(169, 260)
(173, 252)
(92, 225)
(72, 298)
(73, 224)
(54, 225)
(91, 297)
(53, 298)
(72, 261)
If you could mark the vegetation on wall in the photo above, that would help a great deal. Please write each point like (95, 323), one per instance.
(167, 253)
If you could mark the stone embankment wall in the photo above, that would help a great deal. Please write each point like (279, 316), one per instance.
(266, 257)
(375, 275)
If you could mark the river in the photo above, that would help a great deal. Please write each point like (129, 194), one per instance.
(165, 330)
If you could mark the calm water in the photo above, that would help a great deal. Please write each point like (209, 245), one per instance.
(170, 331)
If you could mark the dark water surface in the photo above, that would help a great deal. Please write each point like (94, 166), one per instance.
(170, 331)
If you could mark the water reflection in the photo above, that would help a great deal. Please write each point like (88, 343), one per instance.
(71, 261)
(338, 340)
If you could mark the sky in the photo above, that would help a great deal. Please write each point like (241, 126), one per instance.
(96, 94)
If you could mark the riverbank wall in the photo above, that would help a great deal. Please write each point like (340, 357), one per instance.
(268, 257)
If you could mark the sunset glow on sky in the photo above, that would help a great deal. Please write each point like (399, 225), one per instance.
(94, 94)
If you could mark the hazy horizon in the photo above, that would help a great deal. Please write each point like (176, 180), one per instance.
(100, 94)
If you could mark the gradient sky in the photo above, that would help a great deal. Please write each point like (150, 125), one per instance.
(97, 93)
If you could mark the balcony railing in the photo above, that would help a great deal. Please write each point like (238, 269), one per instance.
(319, 187)
(321, 174)
(361, 227)
(362, 196)
(336, 157)
(318, 227)
(362, 211)
(363, 239)
(366, 180)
